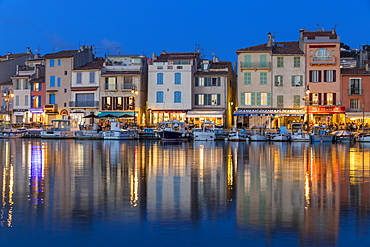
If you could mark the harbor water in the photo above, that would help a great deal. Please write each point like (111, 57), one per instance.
(153, 193)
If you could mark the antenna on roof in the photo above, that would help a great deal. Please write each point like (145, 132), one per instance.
(38, 49)
(319, 28)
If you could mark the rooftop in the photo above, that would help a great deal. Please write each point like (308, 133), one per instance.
(61, 54)
(94, 65)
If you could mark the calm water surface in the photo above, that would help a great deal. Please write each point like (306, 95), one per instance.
(149, 193)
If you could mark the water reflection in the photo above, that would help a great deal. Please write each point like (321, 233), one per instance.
(311, 194)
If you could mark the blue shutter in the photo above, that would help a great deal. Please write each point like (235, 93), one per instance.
(196, 100)
(58, 82)
(52, 81)
(159, 97)
(51, 63)
(160, 79)
(177, 78)
(38, 101)
(196, 81)
(177, 97)
(59, 62)
(218, 81)
(218, 99)
(52, 99)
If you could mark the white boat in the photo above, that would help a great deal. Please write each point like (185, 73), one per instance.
(281, 136)
(173, 131)
(88, 135)
(321, 134)
(59, 129)
(342, 136)
(236, 136)
(117, 133)
(148, 134)
(206, 133)
(11, 134)
(363, 137)
(297, 133)
(258, 134)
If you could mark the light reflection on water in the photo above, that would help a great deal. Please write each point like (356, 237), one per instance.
(190, 194)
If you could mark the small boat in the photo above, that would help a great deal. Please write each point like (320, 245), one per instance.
(173, 131)
(206, 133)
(321, 134)
(342, 136)
(236, 136)
(117, 133)
(88, 135)
(297, 133)
(32, 133)
(258, 134)
(59, 129)
(11, 134)
(363, 137)
(220, 134)
(281, 136)
(148, 134)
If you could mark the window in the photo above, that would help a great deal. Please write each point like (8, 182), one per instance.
(179, 67)
(297, 80)
(51, 63)
(355, 86)
(206, 66)
(84, 100)
(159, 67)
(59, 62)
(247, 61)
(92, 77)
(65, 72)
(26, 84)
(177, 78)
(247, 78)
(159, 97)
(79, 78)
(58, 81)
(159, 78)
(128, 82)
(297, 62)
(52, 81)
(199, 99)
(322, 54)
(177, 97)
(214, 99)
(329, 75)
(354, 104)
(36, 87)
(280, 62)
(315, 76)
(169, 67)
(111, 83)
(51, 98)
(278, 80)
(181, 62)
(36, 102)
(297, 101)
(65, 90)
(26, 98)
(316, 99)
(263, 78)
(17, 84)
(263, 61)
(216, 81)
(328, 99)
(17, 100)
(280, 100)
(248, 98)
(263, 98)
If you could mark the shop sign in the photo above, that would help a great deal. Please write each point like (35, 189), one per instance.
(326, 109)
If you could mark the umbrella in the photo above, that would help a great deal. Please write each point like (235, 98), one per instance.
(91, 116)
(126, 116)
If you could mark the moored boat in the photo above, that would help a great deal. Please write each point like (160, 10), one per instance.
(235, 135)
(258, 134)
(60, 129)
(173, 131)
(117, 133)
(297, 133)
(321, 134)
(206, 133)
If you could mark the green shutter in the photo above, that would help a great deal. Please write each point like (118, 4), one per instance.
(297, 101)
(218, 99)
(258, 98)
(196, 100)
(301, 80)
(242, 102)
(218, 81)
(263, 61)
(268, 98)
(252, 98)
(280, 100)
(247, 61)
(196, 81)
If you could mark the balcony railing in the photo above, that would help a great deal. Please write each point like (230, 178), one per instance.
(84, 104)
(322, 58)
(354, 110)
(355, 91)
(255, 65)
(110, 86)
(25, 68)
(127, 86)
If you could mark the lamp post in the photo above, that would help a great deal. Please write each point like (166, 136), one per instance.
(307, 107)
(135, 92)
(8, 94)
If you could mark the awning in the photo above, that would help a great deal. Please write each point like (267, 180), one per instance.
(358, 115)
(200, 114)
(269, 112)
(121, 114)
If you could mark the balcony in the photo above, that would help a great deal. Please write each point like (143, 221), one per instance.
(355, 91)
(318, 60)
(127, 86)
(25, 68)
(51, 108)
(255, 65)
(93, 104)
(354, 109)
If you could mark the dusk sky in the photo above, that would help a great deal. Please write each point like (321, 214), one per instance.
(144, 27)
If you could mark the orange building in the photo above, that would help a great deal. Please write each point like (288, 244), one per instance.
(323, 100)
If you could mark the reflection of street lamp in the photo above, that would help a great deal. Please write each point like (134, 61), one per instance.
(135, 92)
(307, 107)
(8, 94)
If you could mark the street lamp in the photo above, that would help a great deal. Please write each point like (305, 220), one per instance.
(135, 92)
(8, 94)
(307, 107)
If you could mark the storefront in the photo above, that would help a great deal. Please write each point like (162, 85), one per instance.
(157, 116)
(37, 116)
(196, 118)
(269, 118)
(319, 115)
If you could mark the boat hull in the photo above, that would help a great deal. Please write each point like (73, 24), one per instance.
(173, 136)
(204, 136)
(322, 138)
(56, 135)
(119, 135)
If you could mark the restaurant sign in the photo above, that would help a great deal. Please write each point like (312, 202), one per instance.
(326, 109)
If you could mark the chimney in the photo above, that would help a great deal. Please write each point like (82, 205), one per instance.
(154, 57)
(333, 30)
(270, 40)
(163, 52)
(82, 48)
(8, 55)
(215, 59)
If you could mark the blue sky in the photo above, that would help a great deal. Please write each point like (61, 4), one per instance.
(144, 27)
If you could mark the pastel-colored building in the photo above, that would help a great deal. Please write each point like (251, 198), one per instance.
(324, 97)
